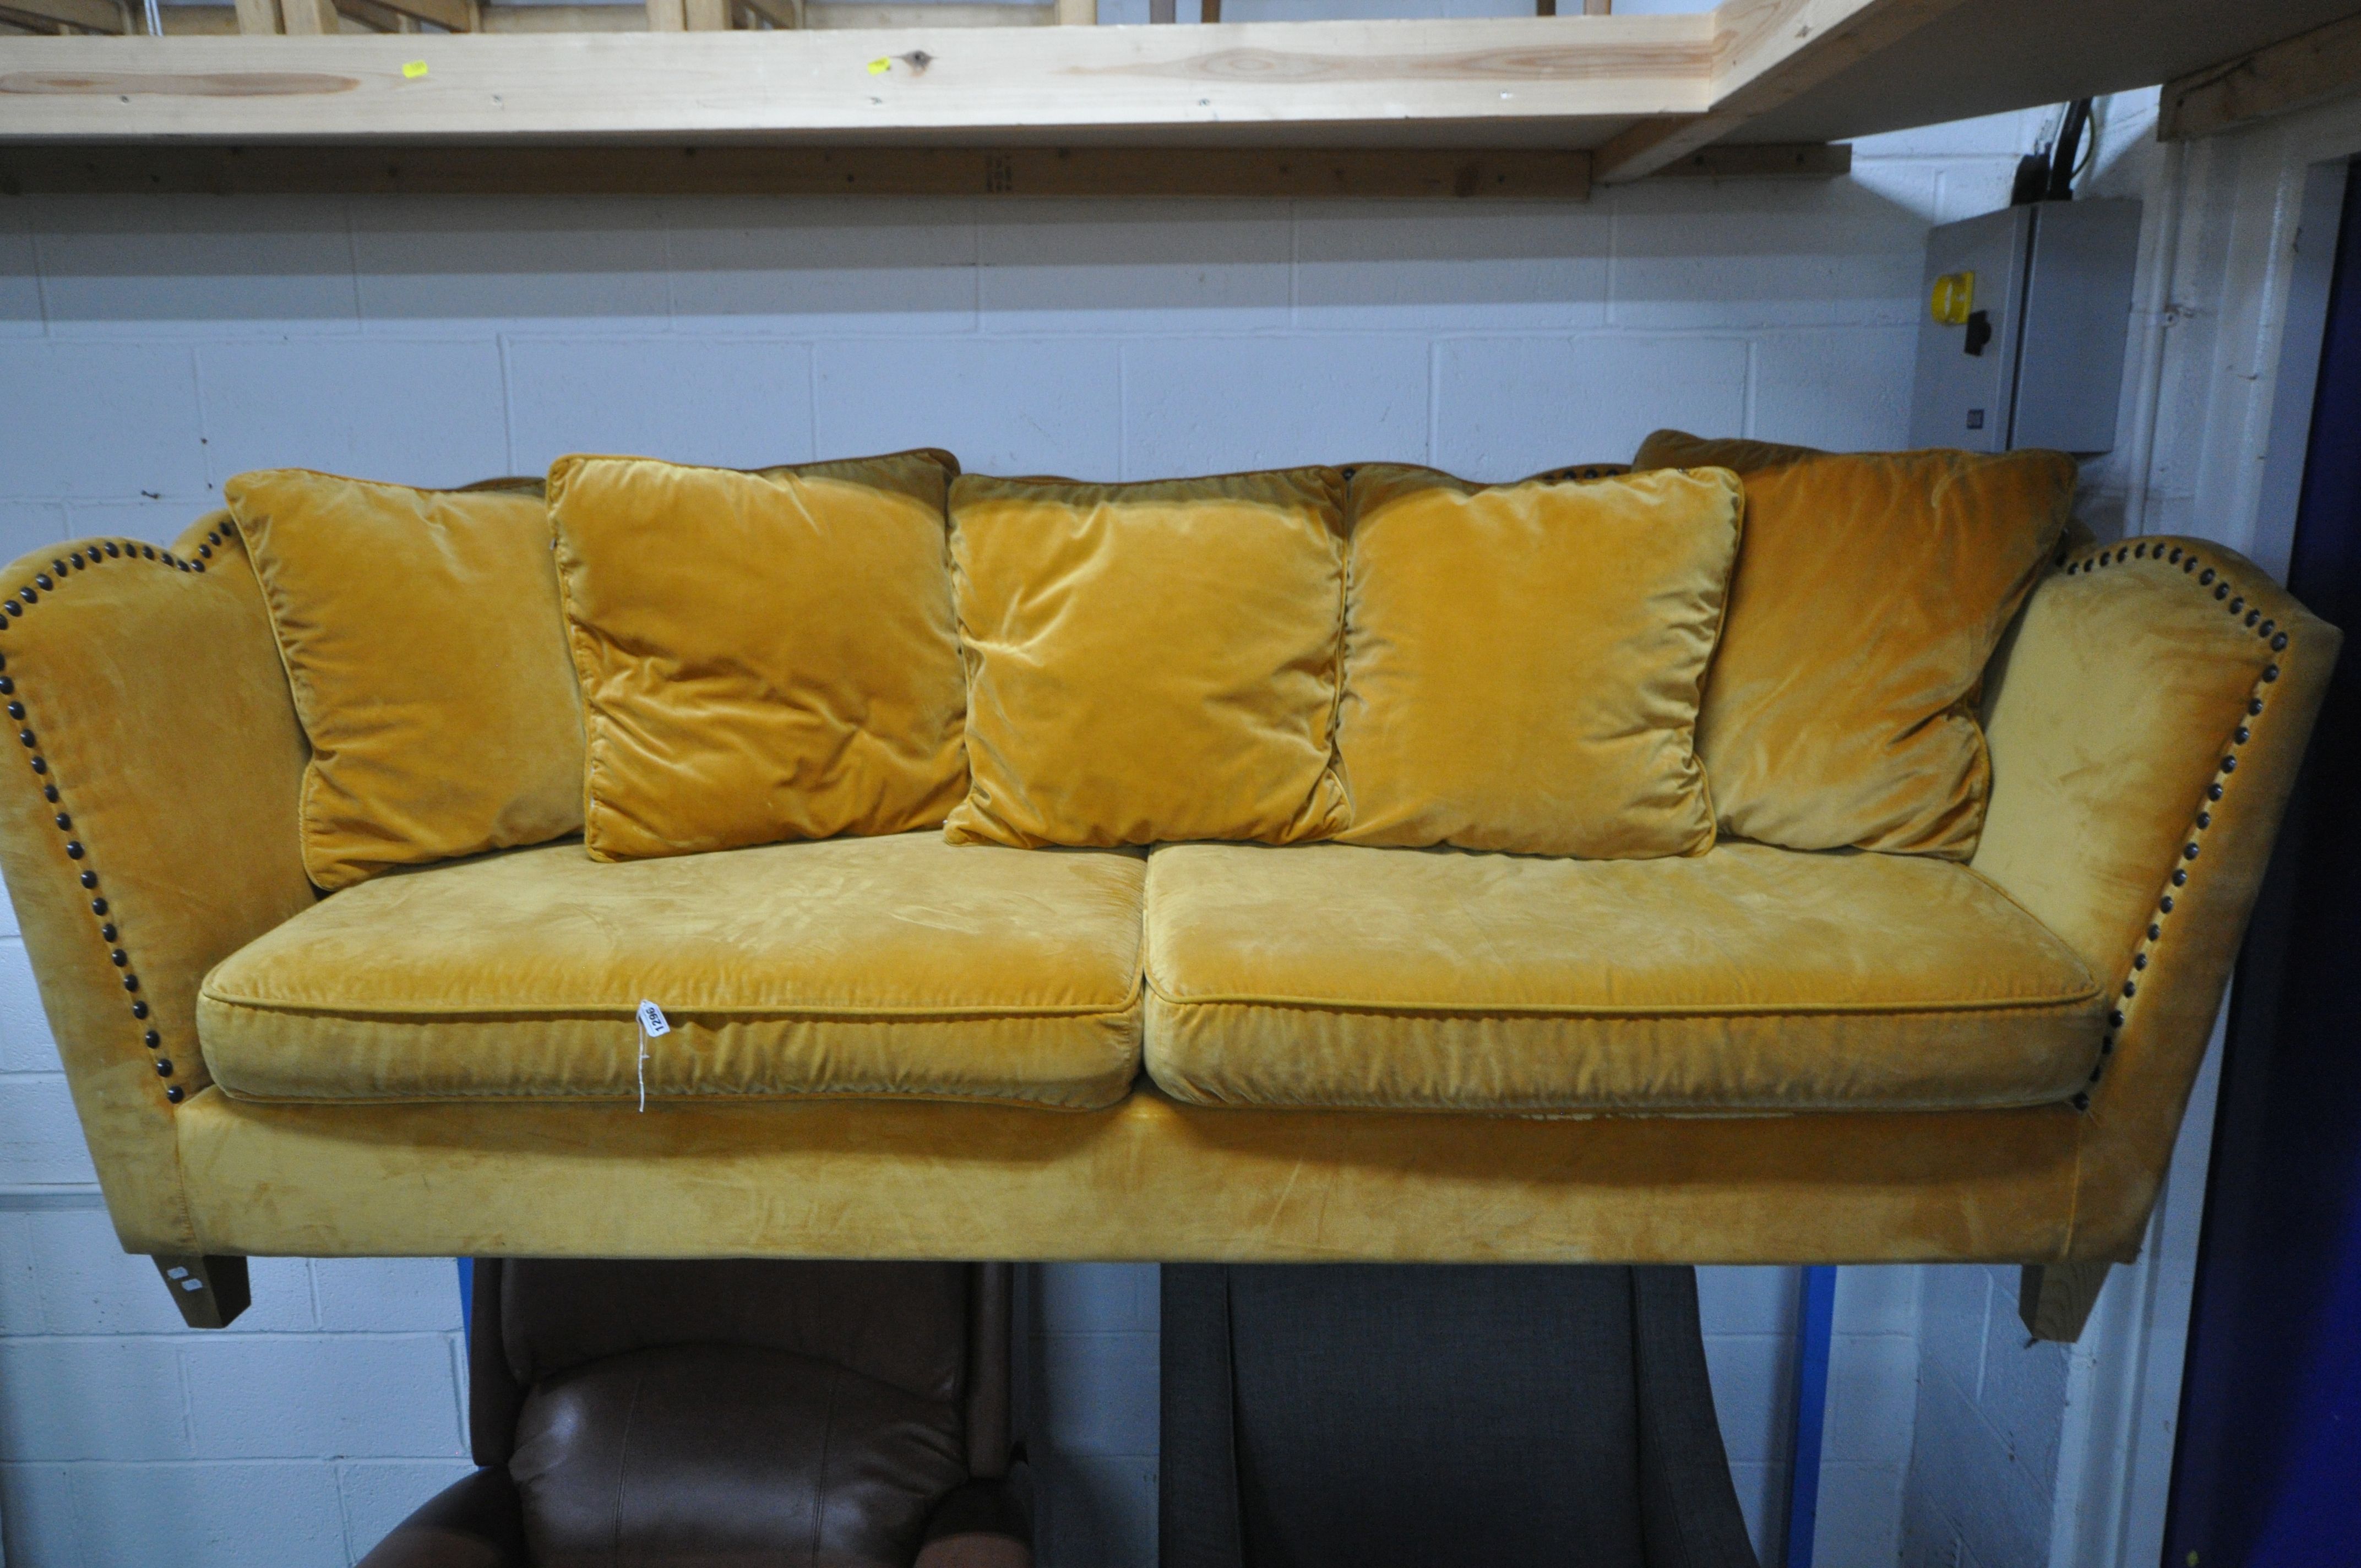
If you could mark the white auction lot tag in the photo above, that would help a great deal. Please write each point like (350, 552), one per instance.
(652, 1020)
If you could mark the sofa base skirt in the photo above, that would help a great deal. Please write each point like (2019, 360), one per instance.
(1149, 1180)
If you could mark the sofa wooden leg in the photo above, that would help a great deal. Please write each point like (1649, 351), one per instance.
(2055, 1299)
(211, 1292)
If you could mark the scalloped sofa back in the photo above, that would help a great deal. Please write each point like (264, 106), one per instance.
(1753, 855)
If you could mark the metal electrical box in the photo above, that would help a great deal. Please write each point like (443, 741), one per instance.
(2026, 314)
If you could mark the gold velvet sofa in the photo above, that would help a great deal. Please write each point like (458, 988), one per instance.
(1202, 1051)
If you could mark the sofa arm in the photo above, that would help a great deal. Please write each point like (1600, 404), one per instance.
(982, 1524)
(475, 1522)
(2147, 719)
(147, 826)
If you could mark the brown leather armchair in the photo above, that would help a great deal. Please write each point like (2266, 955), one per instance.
(734, 1414)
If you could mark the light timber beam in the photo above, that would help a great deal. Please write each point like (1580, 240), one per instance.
(947, 14)
(1765, 161)
(2303, 71)
(1766, 52)
(1360, 173)
(451, 16)
(308, 18)
(258, 16)
(1237, 84)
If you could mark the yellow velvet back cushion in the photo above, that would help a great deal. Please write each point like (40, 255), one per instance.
(763, 656)
(1840, 709)
(1150, 662)
(1522, 661)
(427, 658)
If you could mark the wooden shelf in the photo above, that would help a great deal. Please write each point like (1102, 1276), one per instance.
(783, 94)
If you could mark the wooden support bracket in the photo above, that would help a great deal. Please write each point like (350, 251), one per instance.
(1513, 174)
(2300, 71)
(83, 16)
(1766, 160)
(2055, 1299)
(210, 1291)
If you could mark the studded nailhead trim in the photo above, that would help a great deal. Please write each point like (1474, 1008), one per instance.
(85, 870)
(2192, 845)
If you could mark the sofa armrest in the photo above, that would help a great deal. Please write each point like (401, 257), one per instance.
(2147, 719)
(982, 1524)
(476, 1522)
(147, 826)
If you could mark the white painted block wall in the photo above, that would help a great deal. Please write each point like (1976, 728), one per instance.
(151, 348)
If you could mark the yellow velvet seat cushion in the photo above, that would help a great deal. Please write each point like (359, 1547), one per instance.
(1522, 662)
(892, 966)
(423, 642)
(1870, 594)
(1150, 662)
(762, 655)
(1749, 979)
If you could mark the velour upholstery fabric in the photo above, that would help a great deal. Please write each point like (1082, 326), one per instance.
(152, 817)
(1749, 979)
(1523, 661)
(1150, 662)
(1148, 1179)
(1840, 709)
(762, 655)
(421, 638)
(2148, 720)
(886, 966)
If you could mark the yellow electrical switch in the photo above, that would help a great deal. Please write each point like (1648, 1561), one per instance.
(1954, 297)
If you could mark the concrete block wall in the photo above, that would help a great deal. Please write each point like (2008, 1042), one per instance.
(1983, 1474)
(151, 348)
